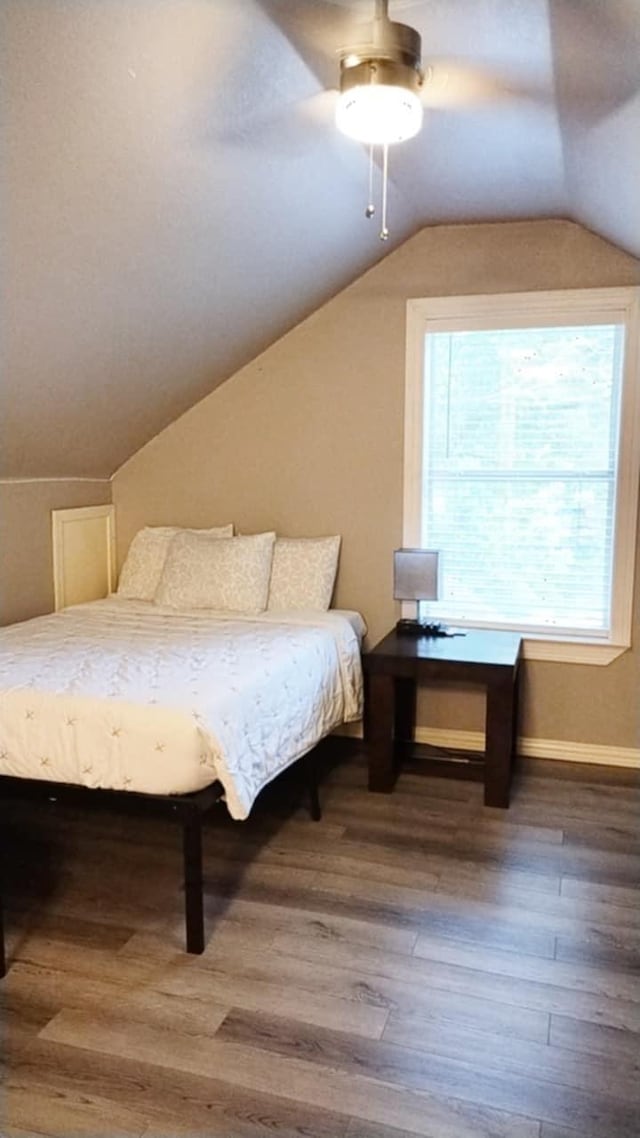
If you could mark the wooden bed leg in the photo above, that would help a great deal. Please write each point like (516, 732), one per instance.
(193, 886)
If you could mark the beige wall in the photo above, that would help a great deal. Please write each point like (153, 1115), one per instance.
(26, 569)
(308, 438)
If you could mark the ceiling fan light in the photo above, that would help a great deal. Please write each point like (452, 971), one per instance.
(379, 114)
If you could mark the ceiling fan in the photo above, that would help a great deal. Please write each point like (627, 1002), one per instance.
(379, 101)
(384, 84)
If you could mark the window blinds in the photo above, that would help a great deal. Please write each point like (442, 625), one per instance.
(520, 439)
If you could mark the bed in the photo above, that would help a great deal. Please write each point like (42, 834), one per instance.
(170, 710)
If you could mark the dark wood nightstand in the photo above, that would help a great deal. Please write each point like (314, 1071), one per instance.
(395, 666)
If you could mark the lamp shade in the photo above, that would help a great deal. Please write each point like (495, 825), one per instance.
(415, 574)
(379, 113)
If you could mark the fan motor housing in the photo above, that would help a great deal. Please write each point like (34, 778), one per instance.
(376, 70)
(391, 43)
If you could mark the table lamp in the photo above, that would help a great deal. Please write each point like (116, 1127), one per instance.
(415, 578)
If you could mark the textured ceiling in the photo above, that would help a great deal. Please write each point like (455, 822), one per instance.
(175, 195)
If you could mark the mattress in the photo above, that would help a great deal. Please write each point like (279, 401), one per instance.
(128, 695)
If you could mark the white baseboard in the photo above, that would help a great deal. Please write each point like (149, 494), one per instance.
(559, 749)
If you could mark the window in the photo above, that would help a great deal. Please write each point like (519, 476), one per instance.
(521, 463)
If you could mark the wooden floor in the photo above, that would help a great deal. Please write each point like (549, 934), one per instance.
(414, 964)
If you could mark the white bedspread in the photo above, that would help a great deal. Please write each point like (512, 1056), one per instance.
(126, 695)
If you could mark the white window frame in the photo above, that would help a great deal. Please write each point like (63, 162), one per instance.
(540, 309)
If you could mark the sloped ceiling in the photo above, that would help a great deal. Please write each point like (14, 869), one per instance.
(175, 195)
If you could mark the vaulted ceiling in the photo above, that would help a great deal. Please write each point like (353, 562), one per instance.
(176, 196)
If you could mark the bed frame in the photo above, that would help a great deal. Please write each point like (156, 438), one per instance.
(187, 809)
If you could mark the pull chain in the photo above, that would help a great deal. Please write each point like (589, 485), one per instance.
(384, 231)
(371, 209)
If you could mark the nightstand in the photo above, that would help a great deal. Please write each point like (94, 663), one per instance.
(399, 662)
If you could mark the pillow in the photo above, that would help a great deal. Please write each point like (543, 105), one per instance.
(141, 572)
(229, 574)
(303, 572)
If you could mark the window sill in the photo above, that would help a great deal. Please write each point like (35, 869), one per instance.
(573, 651)
(594, 652)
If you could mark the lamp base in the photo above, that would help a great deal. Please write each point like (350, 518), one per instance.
(407, 627)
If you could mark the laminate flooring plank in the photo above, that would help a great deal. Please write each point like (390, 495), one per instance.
(23, 1008)
(298, 1080)
(481, 923)
(382, 980)
(620, 895)
(65, 929)
(596, 1039)
(555, 911)
(44, 946)
(338, 859)
(357, 1128)
(548, 1131)
(11, 1132)
(237, 1124)
(598, 1074)
(393, 811)
(259, 920)
(555, 814)
(414, 813)
(438, 790)
(47, 1112)
(617, 868)
(390, 976)
(190, 1015)
(259, 982)
(109, 906)
(408, 864)
(488, 825)
(598, 774)
(236, 869)
(576, 976)
(557, 811)
(398, 1066)
(420, 837)
(294, 835)
(617, 948)
(292, 884)
(590, 794)
(445, 1011)
(172, 1104)
(445, 869)
(619, 837)
(84, 962)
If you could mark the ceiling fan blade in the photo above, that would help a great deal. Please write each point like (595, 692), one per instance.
(317, 29)
(596, 48)
(289, 130)
(449, 84)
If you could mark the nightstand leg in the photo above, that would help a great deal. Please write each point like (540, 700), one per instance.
(381, 722)
(405, 712)
(499, 742)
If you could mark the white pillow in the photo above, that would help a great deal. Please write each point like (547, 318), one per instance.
(229, 574)
(303, 572)
(142, 570)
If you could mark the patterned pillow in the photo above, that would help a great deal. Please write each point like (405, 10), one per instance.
(303, 573)
(142, 570)
(229, 574)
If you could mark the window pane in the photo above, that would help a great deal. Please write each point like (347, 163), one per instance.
(521, 429)
(523, 398)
